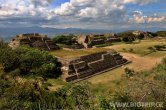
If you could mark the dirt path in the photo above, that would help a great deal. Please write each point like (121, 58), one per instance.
(141, 62)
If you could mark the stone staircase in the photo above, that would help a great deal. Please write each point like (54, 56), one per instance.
(92, 64)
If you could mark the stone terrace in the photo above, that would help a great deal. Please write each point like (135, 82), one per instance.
(88, 65)
(33, 40)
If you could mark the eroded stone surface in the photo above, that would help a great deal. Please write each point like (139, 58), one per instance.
(89, 41)
(85, 66)
(36, 40)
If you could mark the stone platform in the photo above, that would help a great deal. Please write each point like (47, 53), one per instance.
(83, 67)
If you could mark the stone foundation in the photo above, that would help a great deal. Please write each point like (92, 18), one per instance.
(35, 40)
(89, 65)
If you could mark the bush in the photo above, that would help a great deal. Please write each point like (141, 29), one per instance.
(152, 34)
(129, 72)
(140, 37)
(152, 49)
(160, 47)
(124, 49)
(127, 37)
(161, 33)
(8, 58)
(164, 61)
(29, 61)
(65, 39)
(33, 61)
(131, 50)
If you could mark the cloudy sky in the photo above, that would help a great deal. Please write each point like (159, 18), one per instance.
(86, 14)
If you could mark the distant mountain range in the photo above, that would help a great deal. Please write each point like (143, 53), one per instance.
(8, 33)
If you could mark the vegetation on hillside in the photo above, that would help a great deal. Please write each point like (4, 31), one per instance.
(130, 37)
(161, 33)
(127, 37)
(28, 61)
(34, 94)
(65, 39)
(21, 93)
(152, 34)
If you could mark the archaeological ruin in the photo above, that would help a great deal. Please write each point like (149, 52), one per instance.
(91, 40)
(76, 69)
(35, 40)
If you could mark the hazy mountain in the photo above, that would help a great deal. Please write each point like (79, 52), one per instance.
(8, 33)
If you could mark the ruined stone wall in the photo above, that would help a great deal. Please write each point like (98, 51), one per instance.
(89, 41)
(33, 40)
(89, 65)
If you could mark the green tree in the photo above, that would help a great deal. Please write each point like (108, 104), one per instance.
(140, 37)
(127, 37)
(33, 61)
(29, 61)
(8, 58)
(65, 39)
(161, 33)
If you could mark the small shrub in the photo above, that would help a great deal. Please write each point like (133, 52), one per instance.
(129, 72)
(152, 49)
(164, 61)
(124, 49)
(131, 50)
(160, 47)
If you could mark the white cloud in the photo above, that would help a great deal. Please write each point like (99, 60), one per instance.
(65, 9)
(145, 19)
(140, 2)
(88, 12)
(139, 17)
(41, 2)
(156, 19)
(77, 13)
(82, 2)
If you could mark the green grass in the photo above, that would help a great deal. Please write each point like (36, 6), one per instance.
(118, 43)
(55, 84)
(139, 48)
(75, 53)
(108, 80)
(158, 54)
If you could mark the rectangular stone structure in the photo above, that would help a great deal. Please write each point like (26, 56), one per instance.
(35, 40)
(83, 67)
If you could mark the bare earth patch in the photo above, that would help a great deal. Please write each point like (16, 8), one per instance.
(140, 63)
